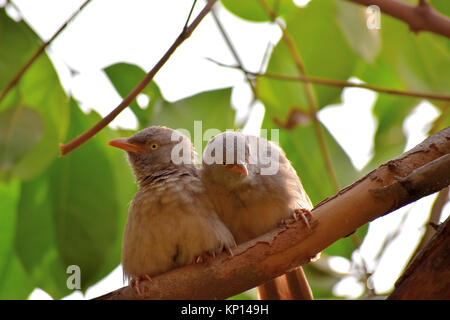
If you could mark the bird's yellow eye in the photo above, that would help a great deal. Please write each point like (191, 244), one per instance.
(154, 146)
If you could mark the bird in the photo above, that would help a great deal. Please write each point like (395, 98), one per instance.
(171, 221)
(254, 188)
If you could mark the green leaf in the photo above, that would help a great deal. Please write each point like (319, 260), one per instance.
(20, 129)
(84, 203)
(390, 140)
(212, 109)
(74, 214)
(9, 195)
(39, 89)
(35, 240)
(253, 10)
(419, 60)
(124, 78)
(330, 58)
(443, 6)
(351, 18)
(17, 45)
(14, 283)
(125, 188)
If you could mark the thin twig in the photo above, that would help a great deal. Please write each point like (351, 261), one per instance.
(36, 55)
(422, 17)
(339, 83)
(295, 54)
(342, 84)
(66, 148)
(233, 52)
(189, 15)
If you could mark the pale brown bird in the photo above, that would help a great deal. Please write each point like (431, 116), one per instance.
(254, 188)
(171, 221)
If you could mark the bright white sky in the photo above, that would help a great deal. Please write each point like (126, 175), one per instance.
(139, 32)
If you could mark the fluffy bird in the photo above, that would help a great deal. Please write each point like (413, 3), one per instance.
(254, 188)
(171, 221)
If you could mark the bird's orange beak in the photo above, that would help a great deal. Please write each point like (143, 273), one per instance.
(124, 144)
(240, 168)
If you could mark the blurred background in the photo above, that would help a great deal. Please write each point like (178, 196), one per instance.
(56, 212)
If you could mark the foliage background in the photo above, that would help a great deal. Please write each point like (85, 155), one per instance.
(55, 212)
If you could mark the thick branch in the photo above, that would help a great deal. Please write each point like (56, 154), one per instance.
(428, 276)
(187, 31)
(276, 252)
(422, 17)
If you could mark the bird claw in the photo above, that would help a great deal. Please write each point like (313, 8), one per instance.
(300, 213)
(228, 250)
(136, 281)
(205, 257)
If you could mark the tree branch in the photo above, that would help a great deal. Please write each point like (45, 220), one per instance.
(428, 276)
(339, 83)
(36, 55)
(289, 246)
(422, 17)
(186, 32)
(233, 52)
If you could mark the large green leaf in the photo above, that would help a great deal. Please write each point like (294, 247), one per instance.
(390, 139)
(443, 6)
(9, 197)
(253, 10)
(407, 61)
(125, 77)
(84, 203)
(20, 129)
(17, 44)
(324, 51)
(125, 188)
(419, 60)
(39, 89)
(14, 283)
(351, 18)
(70, 215)
(36, 244)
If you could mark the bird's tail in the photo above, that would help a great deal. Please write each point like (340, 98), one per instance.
(290, 286)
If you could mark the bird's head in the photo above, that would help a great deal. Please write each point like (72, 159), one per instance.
(226, 158)
(154, 149)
